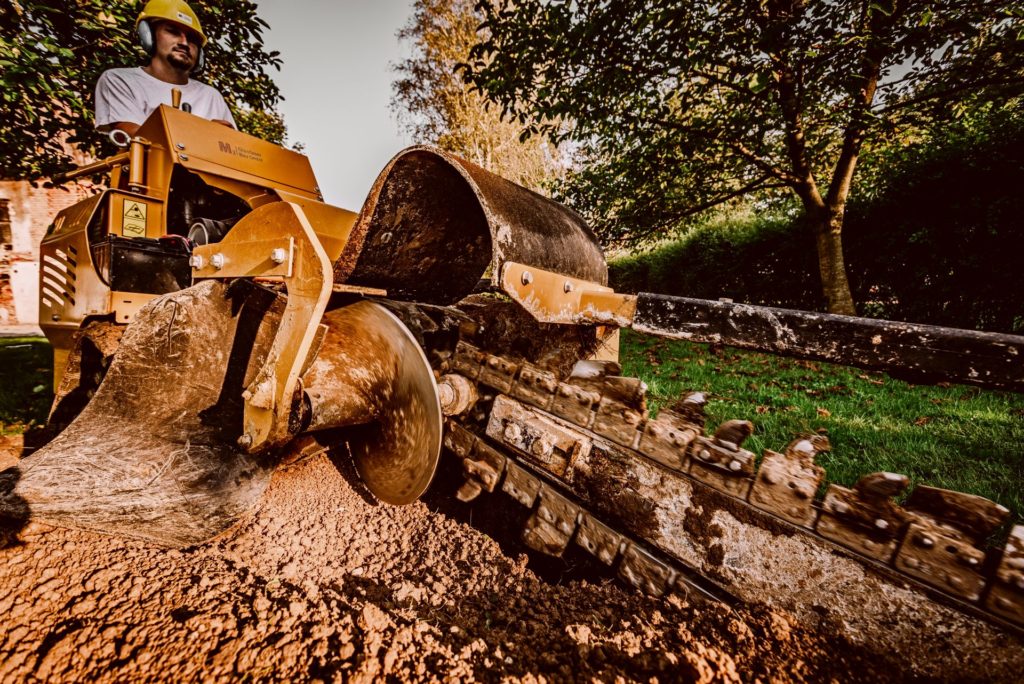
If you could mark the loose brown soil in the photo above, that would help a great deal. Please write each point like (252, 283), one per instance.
(320, 583)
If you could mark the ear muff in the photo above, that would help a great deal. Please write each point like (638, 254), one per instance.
(146, 40)
(200, 63)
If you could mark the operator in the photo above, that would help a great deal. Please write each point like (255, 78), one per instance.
(169, 32)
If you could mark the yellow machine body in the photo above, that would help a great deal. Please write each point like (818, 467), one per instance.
(173, 153)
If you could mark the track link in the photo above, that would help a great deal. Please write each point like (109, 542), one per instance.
(599, 473)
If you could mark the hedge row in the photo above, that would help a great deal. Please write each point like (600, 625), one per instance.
(940, 240)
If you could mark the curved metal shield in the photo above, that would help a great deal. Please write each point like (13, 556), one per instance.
(433, 223)
(154, 455)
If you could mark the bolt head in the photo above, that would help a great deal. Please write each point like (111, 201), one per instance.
(278, 255)
(245, 441)
(567, 288)
(704, 455)
(735, 465)
(881, 523)
(925, 541)
(196, 261)
(841, 507)
(527, 278)
(180, 146)
(217, 261)
(513, 432)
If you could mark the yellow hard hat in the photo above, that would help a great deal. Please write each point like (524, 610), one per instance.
(177, 11)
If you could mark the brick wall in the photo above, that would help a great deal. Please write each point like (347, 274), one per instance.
(25, 213)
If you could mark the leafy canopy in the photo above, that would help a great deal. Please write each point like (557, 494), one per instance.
(52, 52)
(435, 105)
(681, 106)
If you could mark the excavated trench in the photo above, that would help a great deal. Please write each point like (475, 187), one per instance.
(320, 583)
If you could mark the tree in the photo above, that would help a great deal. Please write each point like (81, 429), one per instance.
(683, 106)
(52, 52)
(435, 105)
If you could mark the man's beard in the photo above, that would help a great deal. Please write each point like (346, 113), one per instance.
(178, 60)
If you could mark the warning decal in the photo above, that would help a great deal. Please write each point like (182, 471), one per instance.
(133, 223)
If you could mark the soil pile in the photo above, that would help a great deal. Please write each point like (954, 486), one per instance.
(321, 583)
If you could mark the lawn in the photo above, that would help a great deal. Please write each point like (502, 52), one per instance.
(26, 369)
(952, 436)
(955, 436)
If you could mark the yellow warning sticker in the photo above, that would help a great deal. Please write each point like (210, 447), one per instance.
(133, 222)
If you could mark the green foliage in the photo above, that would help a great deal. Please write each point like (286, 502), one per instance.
(947, 210)
(52, 53)
(934, 238)
(26, 372)
(954, 437)
(683, 106)
(749, 257)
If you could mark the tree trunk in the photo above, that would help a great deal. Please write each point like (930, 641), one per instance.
(828, 236)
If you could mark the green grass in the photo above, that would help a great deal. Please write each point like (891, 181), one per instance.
(955, 437)
(26, 371)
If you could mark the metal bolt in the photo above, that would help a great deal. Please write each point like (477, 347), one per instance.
(881, 524)
(180, 146)
(217, 261)
(245, 441)
(925, 541)
(912, 563)
(513, 432)
(735, 465)
(704, 455)
(769, 477)
(527, 278)
(196, 261)
(541, 447)
(841, 507)
(446, 394)
(971, 560)
(567, 288)
(183, 157)
(278, 255)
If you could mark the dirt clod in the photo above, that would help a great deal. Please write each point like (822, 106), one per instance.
(321, 585)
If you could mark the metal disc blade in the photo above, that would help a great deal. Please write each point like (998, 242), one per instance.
(396, 455)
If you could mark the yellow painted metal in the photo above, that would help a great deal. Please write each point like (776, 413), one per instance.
(126, 304)
(137, 163)
(331, 224)
(203, 145)
(242, 257)
(70, 289)
(555, 298)
(277, 183)
(268, 399)
(133, 215)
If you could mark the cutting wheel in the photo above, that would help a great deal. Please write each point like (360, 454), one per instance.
(396, 454)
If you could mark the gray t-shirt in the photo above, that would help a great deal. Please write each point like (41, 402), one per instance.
(130, 95)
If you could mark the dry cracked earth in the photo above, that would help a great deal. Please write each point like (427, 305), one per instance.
(322, 584)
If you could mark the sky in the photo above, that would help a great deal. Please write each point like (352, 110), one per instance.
(336, 81)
